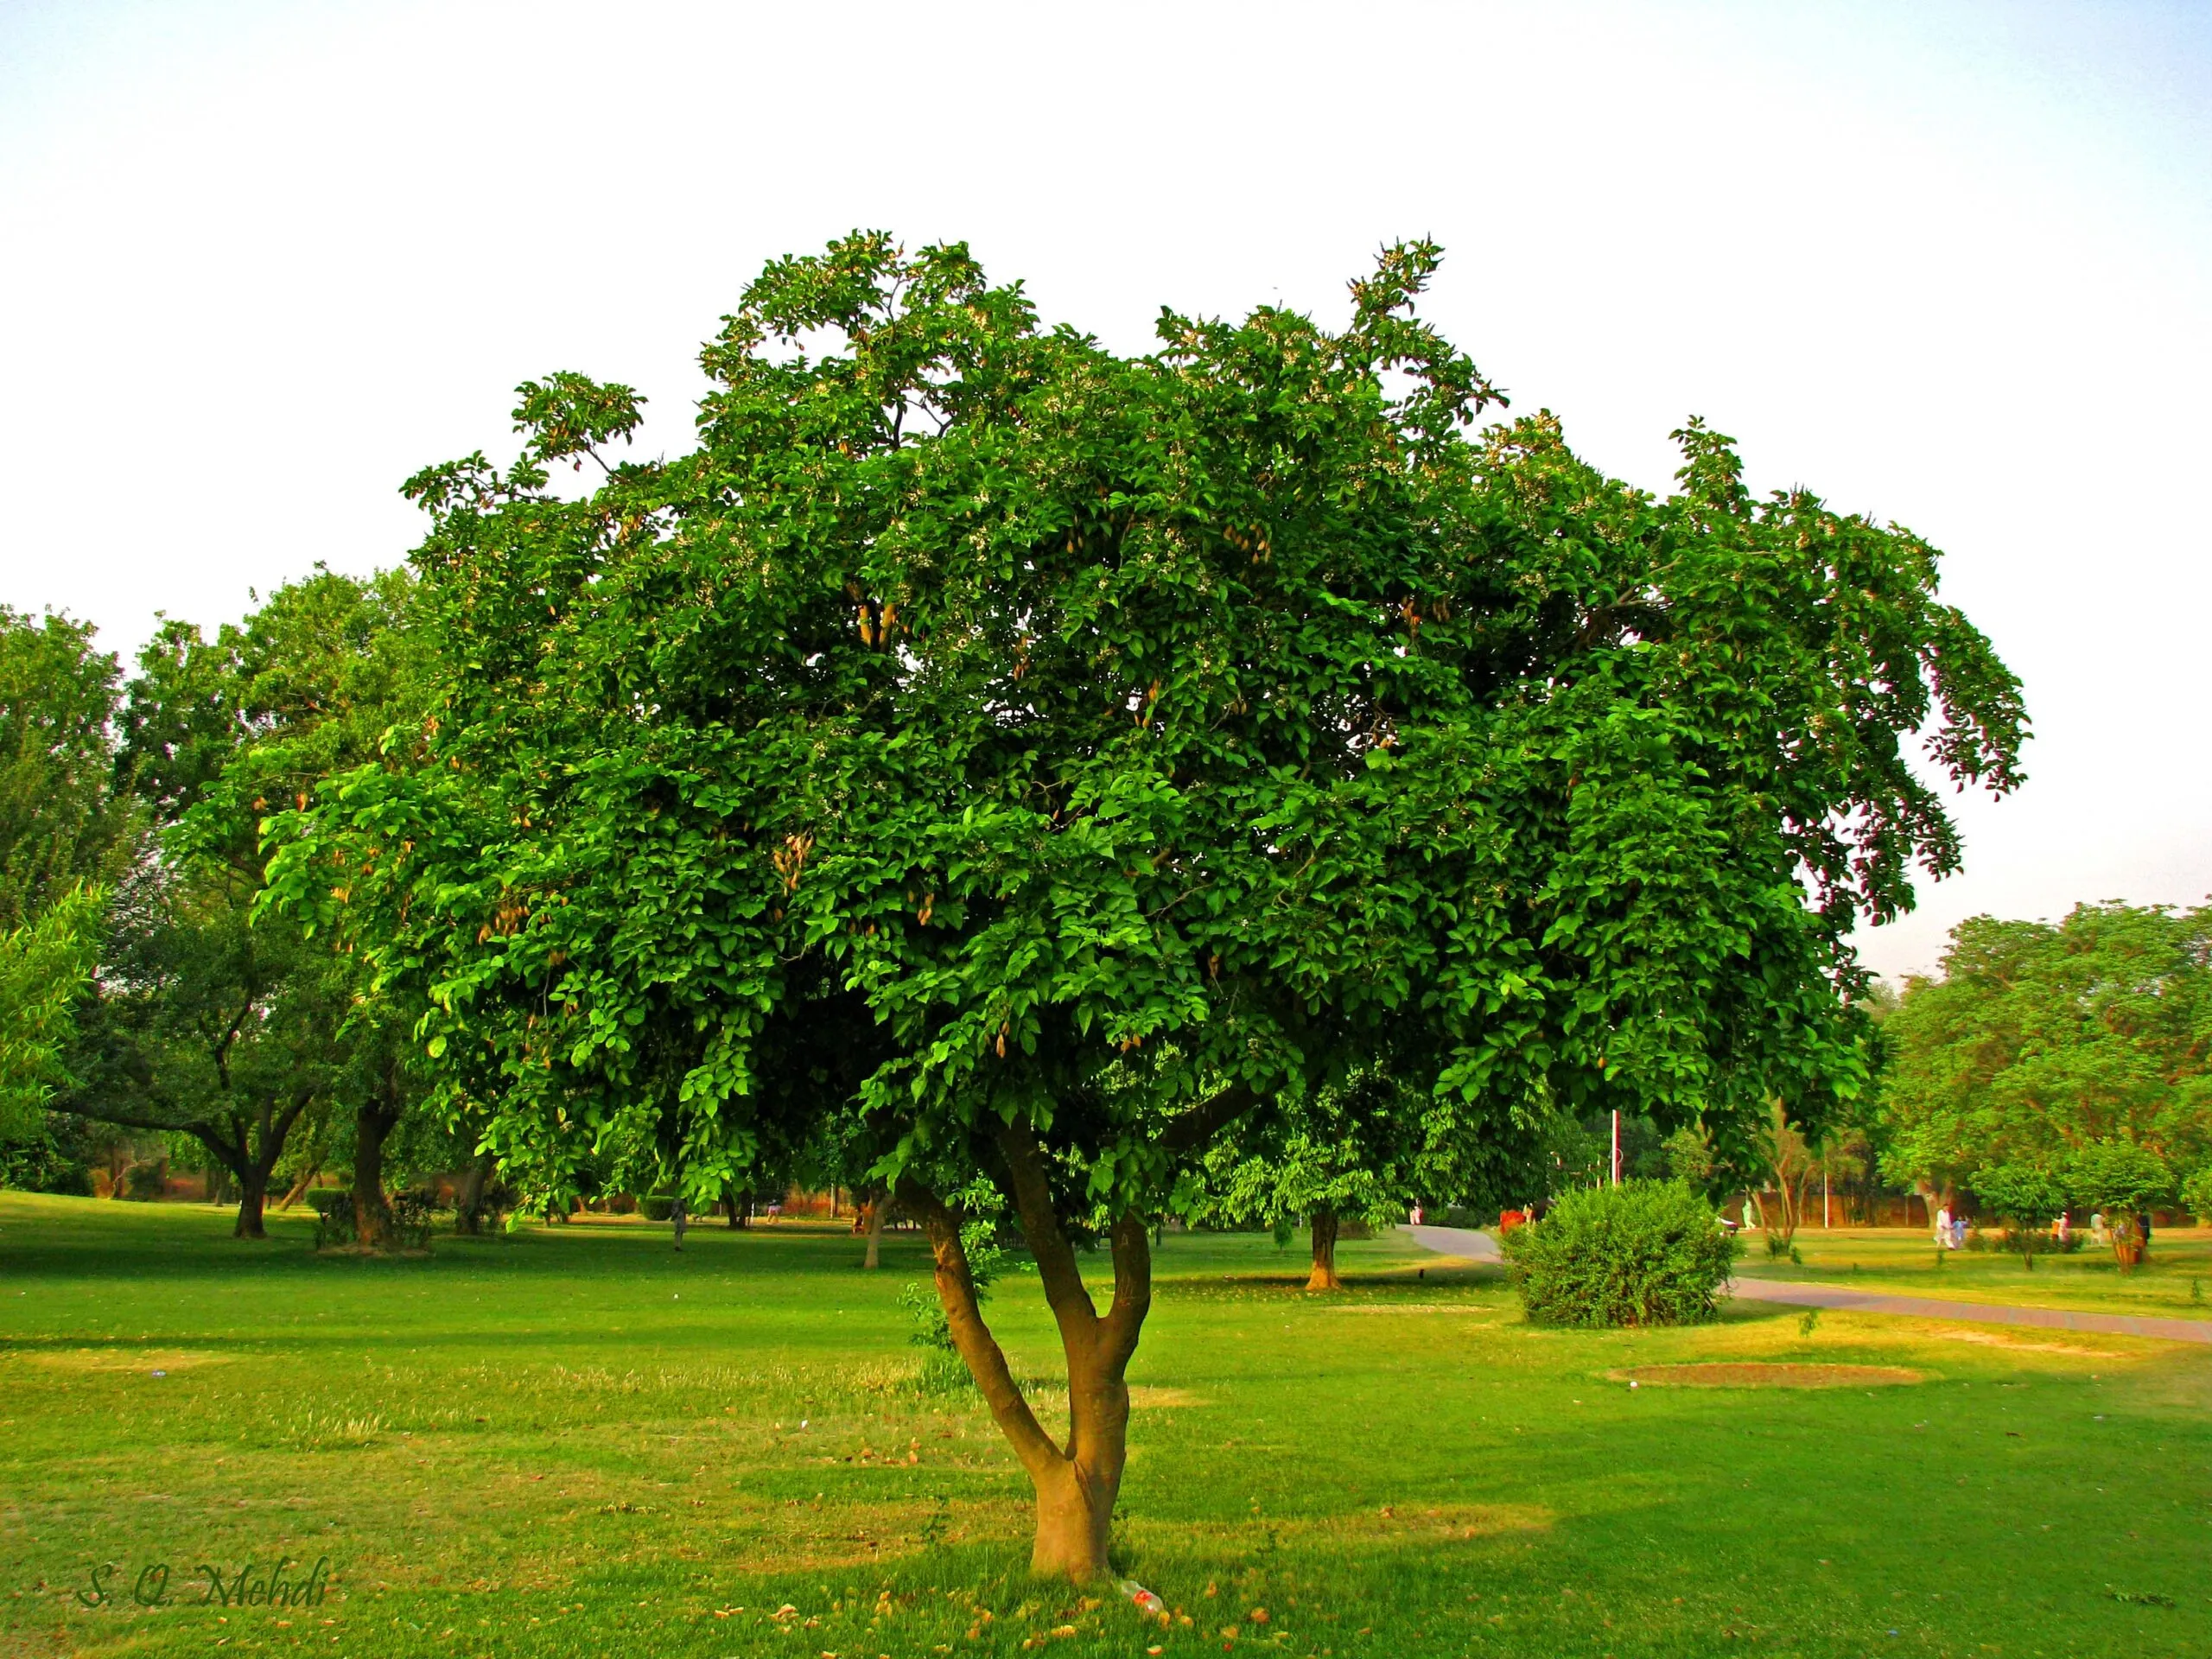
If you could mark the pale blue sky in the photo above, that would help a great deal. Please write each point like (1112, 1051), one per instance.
(1951, 265)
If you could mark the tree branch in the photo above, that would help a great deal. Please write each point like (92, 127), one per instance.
(955, 1294)
(1072, 1308)
(233, 1156)
(1124, 1320)
(1189, 1133)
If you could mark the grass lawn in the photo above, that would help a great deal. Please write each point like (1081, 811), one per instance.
(2174, 1282)
(577, 1442)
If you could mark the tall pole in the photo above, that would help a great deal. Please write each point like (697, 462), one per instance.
(1617, 1148)
(1824, 1197)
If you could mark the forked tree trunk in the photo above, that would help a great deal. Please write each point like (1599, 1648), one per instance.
(253, 1195)
(736, 1204)
(1076, 1484)
(252, 1156)
(2127, 1242)
(1323, 1277)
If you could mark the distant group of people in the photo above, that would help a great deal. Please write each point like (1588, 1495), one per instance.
(1951, 1228)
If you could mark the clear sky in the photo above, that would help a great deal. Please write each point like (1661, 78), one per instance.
(1950, 265)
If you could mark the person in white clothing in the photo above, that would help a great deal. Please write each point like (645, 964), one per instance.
(1943, 1229)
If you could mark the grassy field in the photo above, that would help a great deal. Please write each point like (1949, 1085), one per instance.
(2174, 1282)
(577, 1442)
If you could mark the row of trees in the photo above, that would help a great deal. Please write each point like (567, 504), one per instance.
(2061, 1064)
(1071, 789)
(131, 867)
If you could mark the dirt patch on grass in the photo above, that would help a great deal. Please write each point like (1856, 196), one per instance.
(1747, 1374)
(142, 1360)
(1993, 1339)
(1415, 1307)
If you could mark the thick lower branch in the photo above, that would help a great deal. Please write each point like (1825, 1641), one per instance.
(986, 1361)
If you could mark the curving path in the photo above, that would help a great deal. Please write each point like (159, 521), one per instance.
(1465, 1240)
(1935, 1307)
(1453, 1240)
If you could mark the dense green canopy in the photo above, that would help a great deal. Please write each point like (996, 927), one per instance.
(2040, 1040)
(1040, 756)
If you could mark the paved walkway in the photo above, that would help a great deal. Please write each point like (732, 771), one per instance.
(1935, 1307)
(1453, 1240)
(1464, 1241)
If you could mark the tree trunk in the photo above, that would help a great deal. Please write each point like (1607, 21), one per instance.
(876, 1205)
(1323, 1277)
(2126, 1241)
(253, 1194)
(298, 1188)
(468, 1207)
(737, 1204)
(373, 1120)
(1076, 1484)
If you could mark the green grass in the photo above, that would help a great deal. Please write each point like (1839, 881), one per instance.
(577, 1442)
(2174, 1282)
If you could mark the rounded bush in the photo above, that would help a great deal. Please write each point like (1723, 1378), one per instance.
(1641, 1253)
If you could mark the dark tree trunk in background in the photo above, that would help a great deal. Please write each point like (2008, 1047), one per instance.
(737, 1204)
(468, 1211)
(253, 1196)
(298, 1188)
(372, 1122)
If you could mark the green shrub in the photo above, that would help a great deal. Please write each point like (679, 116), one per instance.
(2196, 1196)
(1641, 1253)
(2122, 1181)
(2028, 1197)
(658, 1206)
(146, 1182)
(942, 1370)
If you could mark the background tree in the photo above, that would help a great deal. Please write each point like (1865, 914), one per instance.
(67, 834)
(1788, 1164)
(2038, 1040)
(2028, 1198)
(2196, 1196)
(45, 966)
(2122, 1181)
(1046, 758)
(1361, 1151)
(213, 1022)
(64, 822)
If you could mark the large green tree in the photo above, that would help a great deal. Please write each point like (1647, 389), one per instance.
(1045, 757)
(65, 823)
(215, 1021)
(2038, 1040)
(45, 968)
(67, 833)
